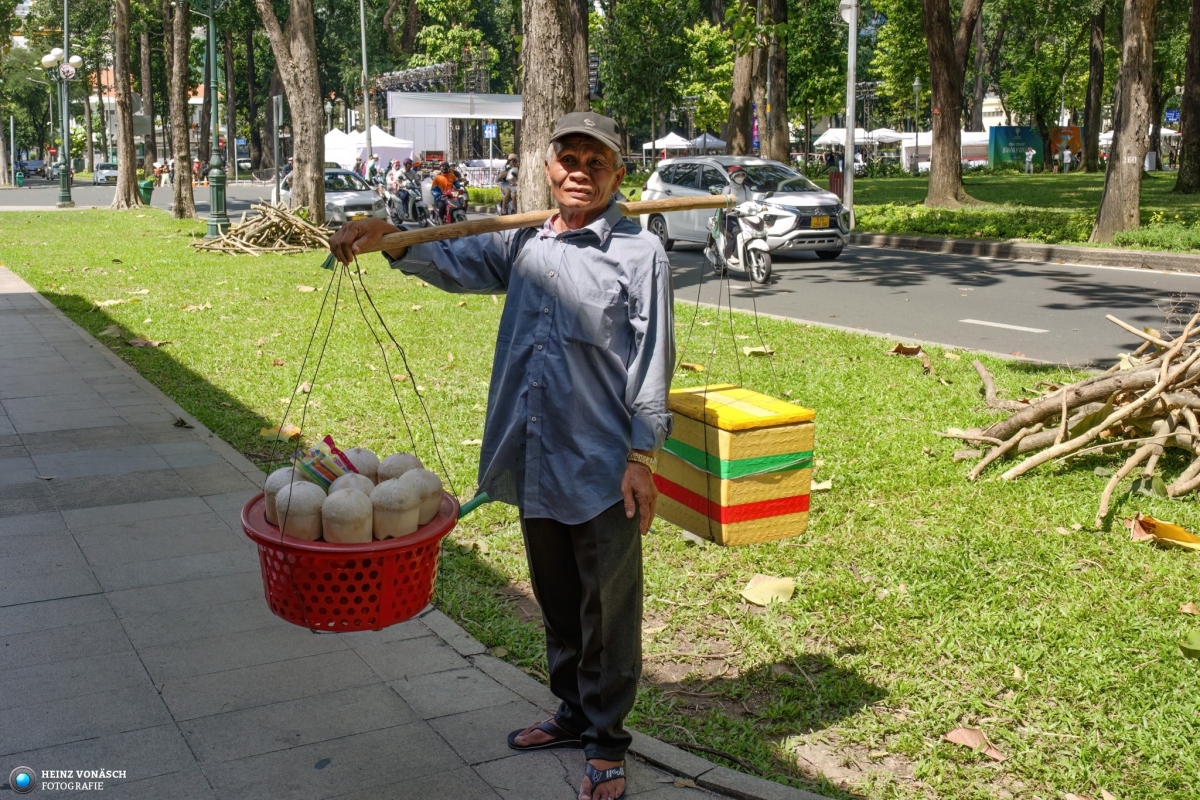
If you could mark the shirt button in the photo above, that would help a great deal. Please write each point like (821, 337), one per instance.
(547, 309)
(533, 419)
(551, 273)
(535, 383)
(539, 347)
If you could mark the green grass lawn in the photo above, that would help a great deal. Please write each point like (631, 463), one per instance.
(923, 602)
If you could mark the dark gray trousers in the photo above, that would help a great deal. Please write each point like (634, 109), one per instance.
(588, 580)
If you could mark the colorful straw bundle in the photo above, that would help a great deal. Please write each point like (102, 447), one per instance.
(738, 465)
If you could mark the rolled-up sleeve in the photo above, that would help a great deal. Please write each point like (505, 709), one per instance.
(651, 313)
(479, 264)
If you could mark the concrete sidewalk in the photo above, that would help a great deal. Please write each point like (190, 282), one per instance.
(134, 635)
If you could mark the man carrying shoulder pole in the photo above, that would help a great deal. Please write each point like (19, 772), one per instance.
(577, 411)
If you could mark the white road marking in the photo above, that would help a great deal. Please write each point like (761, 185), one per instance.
(1003, 325)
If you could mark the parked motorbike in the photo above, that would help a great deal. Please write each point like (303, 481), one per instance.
(737, 239)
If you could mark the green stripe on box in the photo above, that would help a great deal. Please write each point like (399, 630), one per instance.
(740, 467)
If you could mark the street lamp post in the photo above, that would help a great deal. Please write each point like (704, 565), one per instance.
(917, 126)
(60, 70)
(849, 12)
(362, 20)
(328, 116)
(218, 220)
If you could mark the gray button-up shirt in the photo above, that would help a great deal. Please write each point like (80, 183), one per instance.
(583, 361)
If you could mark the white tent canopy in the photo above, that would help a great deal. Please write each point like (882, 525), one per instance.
(383, 144)
(454, 105)
(1167, 133)
(837, 137)
(672, 141)
(973, 146)
(706, 141)
(340, 148)
(885, 136)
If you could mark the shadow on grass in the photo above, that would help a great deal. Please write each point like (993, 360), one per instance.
(749, 714)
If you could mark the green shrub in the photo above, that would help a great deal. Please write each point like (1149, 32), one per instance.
(484, 195)
(1176, 236)
(994, 222)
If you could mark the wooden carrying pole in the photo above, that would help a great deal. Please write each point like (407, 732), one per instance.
(532, 219)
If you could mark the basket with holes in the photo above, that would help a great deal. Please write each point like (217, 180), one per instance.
(348, 587)
(738, 466)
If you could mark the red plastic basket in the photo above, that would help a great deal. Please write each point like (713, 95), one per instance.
(348, 587)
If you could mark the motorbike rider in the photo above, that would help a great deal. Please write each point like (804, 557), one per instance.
(508, 183)
(443, 182)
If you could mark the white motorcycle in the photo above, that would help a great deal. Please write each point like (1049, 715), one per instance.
(737, 239)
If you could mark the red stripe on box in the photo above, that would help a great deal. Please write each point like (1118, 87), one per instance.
(727, 514)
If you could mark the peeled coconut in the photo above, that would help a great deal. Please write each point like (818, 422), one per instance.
(276, 481)
(299, 509)
(431, 493)
(366, 462)
(396, 465)
(346, 517)
(397, 507)
(353, 480)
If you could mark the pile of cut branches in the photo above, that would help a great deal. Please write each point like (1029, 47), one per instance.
(274, 230)
(1146, 403)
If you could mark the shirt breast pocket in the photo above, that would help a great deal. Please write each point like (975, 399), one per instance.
(591, 320)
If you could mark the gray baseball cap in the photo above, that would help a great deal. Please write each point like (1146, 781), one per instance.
(589, 123)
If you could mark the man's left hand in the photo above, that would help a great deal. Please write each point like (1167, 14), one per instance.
(641, 495)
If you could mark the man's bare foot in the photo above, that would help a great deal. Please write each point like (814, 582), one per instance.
(609, 790)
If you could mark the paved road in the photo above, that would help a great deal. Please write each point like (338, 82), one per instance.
(1056, 311)
(1052, 312)
(42, 194)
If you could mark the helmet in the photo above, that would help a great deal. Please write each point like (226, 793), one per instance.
(445, 166)
(408, 162)
(734, 168)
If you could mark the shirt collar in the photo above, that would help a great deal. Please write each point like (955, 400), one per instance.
(601, 227)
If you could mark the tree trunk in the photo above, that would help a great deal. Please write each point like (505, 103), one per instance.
(548, 88)
(230, 113)
(1120, 204)
(738, 132)
(1043, 126)
(87, 124)
(204, 135)
(948, 49)
(718, 12)
(980, 88)
(779, 137)
(579, 50)
(296, 55)
(178, 44)
(759, 93)
(251, 105)
(1093, 107)
(274, 88)
(126, 195)
(1188, 179)
(147, 85)
(1158, 102)
(105, 155)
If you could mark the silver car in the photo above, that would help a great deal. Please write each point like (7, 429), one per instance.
(800, 215)
(104, 173)
(347, 197)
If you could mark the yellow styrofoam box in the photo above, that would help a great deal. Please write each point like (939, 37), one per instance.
(734, 491)
(732, 408)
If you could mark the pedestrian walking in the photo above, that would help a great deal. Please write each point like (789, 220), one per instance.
(1029, 154)
(577, 412)
(1067, 158)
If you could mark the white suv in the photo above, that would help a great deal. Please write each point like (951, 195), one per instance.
(800, 215)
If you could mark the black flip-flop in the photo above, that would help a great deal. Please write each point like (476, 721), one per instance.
(561, 738)
(599, 776)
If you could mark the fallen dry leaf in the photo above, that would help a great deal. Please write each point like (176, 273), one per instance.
(1105, 794)
(1069, 796)
(400, 378)
(495, 299)
(140, 341)
(1062, 530)
(45, 477)
(822, 486)
(684, 783)
(499, 652)
(1190, 608)
(952, 356)
(1143, 528)
(762, 350)
(967, 455)
(197, 308)
(1018, 673)
(462, 303)
(910, 350)
(472, 442)
(415, 308)
(926, 366)
(691, 367)
(1017, 353)
(112, 330)
(227, 405)
(277, 362)
(280, 434)
(976, 740)
(762, 590)
(306, 289)
(449, 358)
(304, 388)
(180, 422)
(139, 291)
(110, 303)
(261, 342)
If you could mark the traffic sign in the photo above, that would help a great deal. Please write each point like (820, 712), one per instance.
(66, 72)
(1173, 115)
(489, 130)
